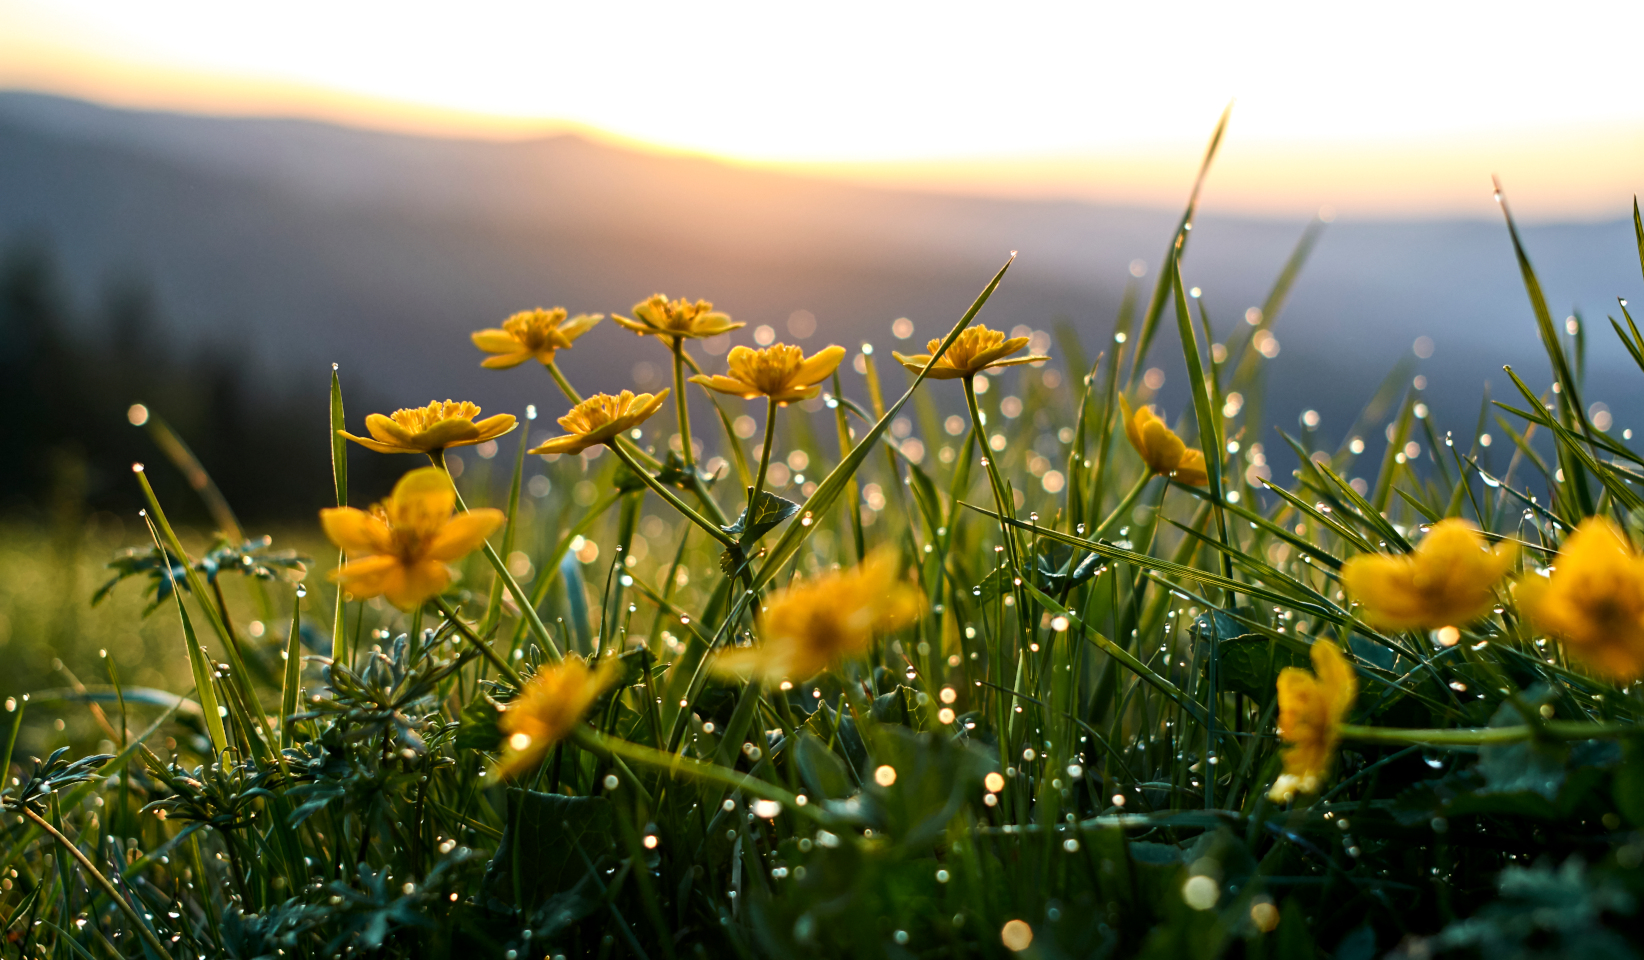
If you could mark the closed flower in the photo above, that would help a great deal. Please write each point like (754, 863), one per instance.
(431, 429)
(1448, 580)
(532, 334)
(809, 627)
(1163, 452)
(600, 418)
(1593, 601)
(400, 547)
(1311, 709)
(781, 372)
(975, 350)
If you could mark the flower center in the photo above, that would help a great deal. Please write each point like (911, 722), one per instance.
(971, 343)
(769, 369)
(597, 411)
(535, 328)
(415, 420)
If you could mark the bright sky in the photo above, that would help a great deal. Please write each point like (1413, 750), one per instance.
(1386, 107)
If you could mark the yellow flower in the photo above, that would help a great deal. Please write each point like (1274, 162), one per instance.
(782, 372)
(661, 317)
(400, 548)
(532, 333)
(600, 418)
(1448, 580)
(807, 628)
(549, 708)
(1163, 451)
(431, 428)
(976, 349)
(1311, 708)
(1594, 600)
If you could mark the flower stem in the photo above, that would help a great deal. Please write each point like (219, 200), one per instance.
(102, 881)
(503, 666)
(1482, 736)
(999, 494)
(683, 406)
(598, 743)
(1124, 506)
(564, 384)
(668, 495)
(764, 455)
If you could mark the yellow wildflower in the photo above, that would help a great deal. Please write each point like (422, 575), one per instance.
(782, 372)
(600, 418)
(676, 319)
(400, 548)
(532, 333)
(807, 628)
(1448, 580)
(549, 708)
(1311, 708)
(1163, 452)
(431, 428)
(976, 349)
(1594, 600)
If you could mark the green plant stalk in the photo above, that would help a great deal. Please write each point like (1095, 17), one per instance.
(503, 666)
(1125, 506)
(1481, 736)
(1001, 499)
(682, 406)
(96, 875)
(764, 455)
(601, 745)
(293, 671)
(669, 497)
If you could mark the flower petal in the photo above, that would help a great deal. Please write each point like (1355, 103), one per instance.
(730, 385)
(634, 325)
(579, 325)
(570, 443)
(492, 427)
(418, 583)
(358, 533)
(386, 430)
(463, 534)
(378, 445)
(507, 360)
(494, 341)
(370, 577)
(819, 366)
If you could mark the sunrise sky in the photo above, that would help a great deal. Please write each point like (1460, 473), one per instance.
(1377, 110)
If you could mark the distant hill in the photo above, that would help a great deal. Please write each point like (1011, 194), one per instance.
(301, 243)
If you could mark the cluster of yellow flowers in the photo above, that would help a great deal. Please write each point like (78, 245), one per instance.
(1592, 598)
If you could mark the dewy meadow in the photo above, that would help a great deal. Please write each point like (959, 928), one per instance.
(747, 667)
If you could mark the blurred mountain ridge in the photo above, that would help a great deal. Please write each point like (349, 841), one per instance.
(300, 243)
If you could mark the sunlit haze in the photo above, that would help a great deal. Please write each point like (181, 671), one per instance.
(1386, 109)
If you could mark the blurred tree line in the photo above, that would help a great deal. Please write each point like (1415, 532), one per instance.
(68, 381)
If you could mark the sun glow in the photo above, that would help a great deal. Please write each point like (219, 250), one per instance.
(1072, 99)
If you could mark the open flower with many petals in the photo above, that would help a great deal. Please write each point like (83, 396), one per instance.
(1448, 580)
(809, 627)
(1163, 452)
(975, 350)
(600, 418)
(1311, 709)
(676, 319)
(1594, 600)
(532, 334)
(431, 429)
(781, 372)
(549, 708)
(400, 547)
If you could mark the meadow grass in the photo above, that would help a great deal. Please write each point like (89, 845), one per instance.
(1071, 749)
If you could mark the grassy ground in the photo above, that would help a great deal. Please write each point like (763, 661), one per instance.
(1069, 752)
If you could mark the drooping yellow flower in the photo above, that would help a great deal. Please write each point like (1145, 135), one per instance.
(400, 547)
(1311, 709)
(1448, 580)
(549, 708)
(1594, 600)
(807, 628)
(532, 334)
(676, 319)
(1163, 452)
(600, 418)
(781, 372)
(976, 349)
(431, 428)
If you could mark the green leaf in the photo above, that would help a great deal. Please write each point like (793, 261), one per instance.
(1251, 663)
(548, 836)
(766, 512)
(478, 729)
(823, 771)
